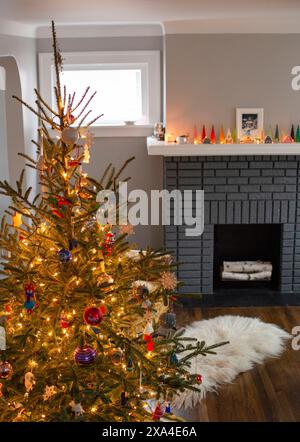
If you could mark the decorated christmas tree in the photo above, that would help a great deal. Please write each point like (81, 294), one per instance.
(80, 329)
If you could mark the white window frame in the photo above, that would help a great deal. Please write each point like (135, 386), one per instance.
(147, 61)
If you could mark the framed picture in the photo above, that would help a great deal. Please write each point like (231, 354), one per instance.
(249, 122)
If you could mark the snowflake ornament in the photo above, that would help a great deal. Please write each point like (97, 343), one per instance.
(49, 392)
(168, 280)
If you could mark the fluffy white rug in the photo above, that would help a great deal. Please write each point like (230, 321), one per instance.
(251, 342)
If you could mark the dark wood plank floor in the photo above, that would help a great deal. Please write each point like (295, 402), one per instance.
(270, 392)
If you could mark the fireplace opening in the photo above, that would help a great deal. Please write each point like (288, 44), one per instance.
(247, 256)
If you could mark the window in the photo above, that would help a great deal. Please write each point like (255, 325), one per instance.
(127, 85)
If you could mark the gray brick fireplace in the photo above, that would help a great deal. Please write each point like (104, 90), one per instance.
(239, 190)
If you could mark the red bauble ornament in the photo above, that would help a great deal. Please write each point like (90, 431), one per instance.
(199, 379)
(93, 316)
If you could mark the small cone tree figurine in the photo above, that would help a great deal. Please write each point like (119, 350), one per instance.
(203, 134)
(195, 135)
(73, 346)
(298, 134)
(292, 133)
(276, 136)
(213, 135)
(222, 135)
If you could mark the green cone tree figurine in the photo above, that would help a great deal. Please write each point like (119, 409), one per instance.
(79, 312)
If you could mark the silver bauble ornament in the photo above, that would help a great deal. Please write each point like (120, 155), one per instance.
(70, 135)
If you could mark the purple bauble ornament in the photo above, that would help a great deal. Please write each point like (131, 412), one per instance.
(64, 255)
(85, 355)
(6, 370)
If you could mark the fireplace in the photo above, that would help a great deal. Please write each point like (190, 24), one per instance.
(254, 202)
(259, 244)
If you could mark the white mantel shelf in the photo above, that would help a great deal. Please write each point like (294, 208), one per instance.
(172, 149)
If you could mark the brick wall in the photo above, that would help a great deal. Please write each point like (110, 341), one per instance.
(238, 190)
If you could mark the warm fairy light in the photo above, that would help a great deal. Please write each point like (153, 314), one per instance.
(93, 409)
(31, 265)
(94, 268)
(43, 416)
(54, 299)
(42, 284)
(48, 319)
(113, 299)
(123, 366)
(65, 175)
(20, 325)
(52, 249)
(50, 333)
(74, 311)
(39, 259)
(55, 274)
(75, 259)
(77, 282)
(32, 363)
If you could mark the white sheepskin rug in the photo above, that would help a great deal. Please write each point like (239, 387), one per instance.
(251, 342)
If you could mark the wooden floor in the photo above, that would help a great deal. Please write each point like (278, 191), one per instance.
(270, 392)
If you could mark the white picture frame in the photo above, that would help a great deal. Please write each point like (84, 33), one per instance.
(249, 122)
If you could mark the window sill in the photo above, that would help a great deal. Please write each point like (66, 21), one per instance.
(122, 131)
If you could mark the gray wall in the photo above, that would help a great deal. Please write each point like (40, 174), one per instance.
(208, 76)
(146, 172)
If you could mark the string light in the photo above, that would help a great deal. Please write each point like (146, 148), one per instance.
(32, 363)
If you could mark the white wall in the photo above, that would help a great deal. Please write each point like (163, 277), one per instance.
(4, 171)
(18, 57)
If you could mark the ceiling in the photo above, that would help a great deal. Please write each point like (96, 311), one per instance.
(39, 12)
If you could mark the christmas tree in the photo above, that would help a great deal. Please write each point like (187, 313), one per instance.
(80, 337)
